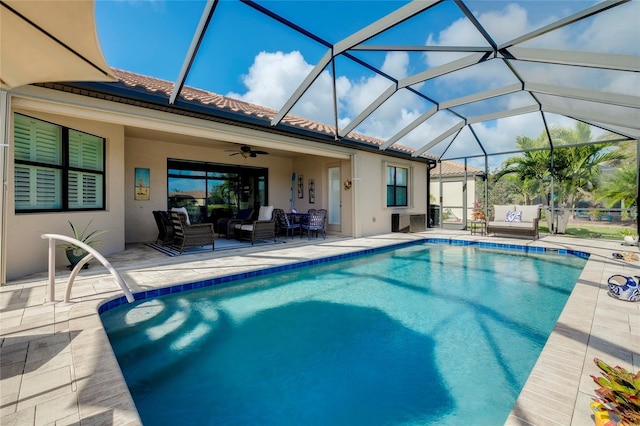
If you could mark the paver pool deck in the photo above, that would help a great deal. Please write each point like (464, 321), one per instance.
(57, 366)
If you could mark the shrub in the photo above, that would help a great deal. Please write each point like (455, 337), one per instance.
(618, 392)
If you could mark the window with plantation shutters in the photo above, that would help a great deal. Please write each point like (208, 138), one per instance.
(56, 168)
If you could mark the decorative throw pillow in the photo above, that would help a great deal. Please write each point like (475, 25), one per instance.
(510, 215)
(517, 217)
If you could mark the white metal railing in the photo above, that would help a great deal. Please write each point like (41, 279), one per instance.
(92, 253)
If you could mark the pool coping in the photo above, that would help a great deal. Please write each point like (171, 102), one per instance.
(59, 367)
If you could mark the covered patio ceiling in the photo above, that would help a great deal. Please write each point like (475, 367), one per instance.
(450, 79)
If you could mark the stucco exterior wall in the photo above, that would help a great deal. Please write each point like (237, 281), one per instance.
(369, 183)
(317, 168)
(308, 168)
(28, 253)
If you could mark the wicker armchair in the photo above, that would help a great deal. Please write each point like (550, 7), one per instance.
(165, 227)
(264, 228)
(186, 236)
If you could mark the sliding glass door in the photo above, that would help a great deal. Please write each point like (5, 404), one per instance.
(202, 187)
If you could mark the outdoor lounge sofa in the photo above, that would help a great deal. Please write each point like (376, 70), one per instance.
(515, 220)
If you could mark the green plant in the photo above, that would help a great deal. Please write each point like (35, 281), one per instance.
(619, 392)
(83, 236)
(628, 232)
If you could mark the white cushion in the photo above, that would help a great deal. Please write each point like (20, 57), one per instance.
(500, 211)
(265, 213)
(523, 225)
(529, 212)
(502, 224)
(182, 210)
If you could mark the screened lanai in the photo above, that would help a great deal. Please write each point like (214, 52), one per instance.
(454, 80)
(459, 79)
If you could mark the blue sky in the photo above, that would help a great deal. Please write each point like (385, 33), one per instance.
(152, 37)
(249, 56)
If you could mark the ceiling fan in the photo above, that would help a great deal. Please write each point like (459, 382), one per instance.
(246, 152)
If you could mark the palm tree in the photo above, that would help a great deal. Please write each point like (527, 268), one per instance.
(576, 164)
(621, 187)
(578, 168)
(531, 169)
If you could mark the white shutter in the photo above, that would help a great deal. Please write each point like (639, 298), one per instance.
(37, 141)
(85, 151)
(85, 190)
(37, 187)
(22, 187)
(48, 183)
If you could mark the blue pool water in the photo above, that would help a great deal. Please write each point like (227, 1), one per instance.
(424, 334)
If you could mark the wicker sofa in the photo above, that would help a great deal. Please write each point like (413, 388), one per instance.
(515, 220)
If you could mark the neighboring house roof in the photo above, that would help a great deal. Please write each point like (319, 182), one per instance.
(137, 89)
(453, 168)
(196, 193)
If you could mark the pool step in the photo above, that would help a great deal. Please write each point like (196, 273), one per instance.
(169, 344)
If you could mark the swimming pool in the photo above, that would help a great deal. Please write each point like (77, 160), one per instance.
(424, 334)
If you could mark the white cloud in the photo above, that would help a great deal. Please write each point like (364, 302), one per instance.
(613, 31)
(506, 24)
(273, 77)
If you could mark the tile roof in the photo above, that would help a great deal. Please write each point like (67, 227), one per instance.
(454, 168)
(197, 193)
(209, 99)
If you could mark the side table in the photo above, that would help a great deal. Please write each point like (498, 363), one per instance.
(478, 227)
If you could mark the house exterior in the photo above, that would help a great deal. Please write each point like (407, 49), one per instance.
(74, 151)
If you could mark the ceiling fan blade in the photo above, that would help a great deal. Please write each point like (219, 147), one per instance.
(235, 153)
(260, 152)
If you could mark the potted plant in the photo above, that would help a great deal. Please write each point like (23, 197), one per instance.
(630, 238)
(74, 253)
(478, 211)
(618, 400)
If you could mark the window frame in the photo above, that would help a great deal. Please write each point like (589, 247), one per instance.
(64, 169)
(255, 177)
(395, 186)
